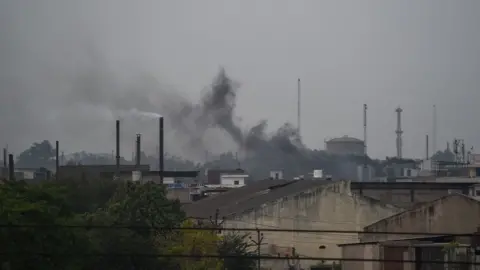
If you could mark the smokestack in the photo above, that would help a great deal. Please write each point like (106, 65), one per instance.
(57, 160)
(138, 151)
(399, 132)
(117, 141)
(11, 168)
(160, 149)
(298, 107)
(5, 157)
(426, 147)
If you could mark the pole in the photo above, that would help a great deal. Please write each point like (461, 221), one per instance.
(434, 135)
(11, 168)
(117, 146)
(161, 150)
(365, 134)
(298, 107)
(57, 160)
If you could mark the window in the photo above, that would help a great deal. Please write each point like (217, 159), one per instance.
(477, 192)
(236, 182)
(409, 172)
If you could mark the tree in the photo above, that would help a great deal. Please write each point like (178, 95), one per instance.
(146, 213)
(195, 243)
(235, 244)
(38, 155)
(36, 205)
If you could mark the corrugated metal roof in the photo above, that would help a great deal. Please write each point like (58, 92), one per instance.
(249, 197)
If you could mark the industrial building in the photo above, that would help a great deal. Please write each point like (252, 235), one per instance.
(345, 146)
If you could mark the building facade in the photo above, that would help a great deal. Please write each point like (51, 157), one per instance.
(293, 205)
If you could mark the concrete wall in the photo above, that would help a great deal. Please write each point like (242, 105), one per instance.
(452, 214)
(370, 251)
(406, 195)
(331, 207)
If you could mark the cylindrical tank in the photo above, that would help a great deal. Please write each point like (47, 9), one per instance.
(345, 146)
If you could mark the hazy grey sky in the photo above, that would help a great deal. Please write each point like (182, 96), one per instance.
(412, 53)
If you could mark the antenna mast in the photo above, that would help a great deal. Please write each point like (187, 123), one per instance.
(434, 135)
(298, 106)
(365, 133)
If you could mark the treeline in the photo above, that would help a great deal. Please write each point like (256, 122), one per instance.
(258, 166)
(102, 224)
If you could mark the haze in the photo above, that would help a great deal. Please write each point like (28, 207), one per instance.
(137, 54)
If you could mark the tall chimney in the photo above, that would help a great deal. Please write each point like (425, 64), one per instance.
(426, 147)
(11, 168)
(117, 141)
(138, 152)
(160, 149)
(57, 160)
(399, 132)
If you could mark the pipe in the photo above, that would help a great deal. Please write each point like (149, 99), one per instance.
(160, 150)
(138, 151)
(11, 168)
(117, 138)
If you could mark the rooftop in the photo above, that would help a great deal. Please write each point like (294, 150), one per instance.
(249, 197)
(344, 139)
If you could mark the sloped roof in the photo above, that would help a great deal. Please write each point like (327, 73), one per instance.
(423, 204)
(249, 197)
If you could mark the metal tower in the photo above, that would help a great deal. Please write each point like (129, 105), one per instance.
(399, 132)
(365, 134)
(298, 106)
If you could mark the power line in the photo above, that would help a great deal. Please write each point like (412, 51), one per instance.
(133, 227)
(212, 256)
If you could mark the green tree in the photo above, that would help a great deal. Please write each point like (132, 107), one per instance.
(145, 213)
(39, 208)
(195, 243)
(38, 155)
(237, 244)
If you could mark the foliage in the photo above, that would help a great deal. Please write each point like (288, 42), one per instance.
(123, 225)
(88, 195)
(38, 155)
(196, 243)
(235, 244)
(36, 205)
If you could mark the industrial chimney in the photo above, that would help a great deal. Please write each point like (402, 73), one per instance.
(117, 147)
(399, 132)
(138, 152)
(161, 154)
(11, 168)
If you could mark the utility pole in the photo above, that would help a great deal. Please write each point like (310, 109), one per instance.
(258, 243)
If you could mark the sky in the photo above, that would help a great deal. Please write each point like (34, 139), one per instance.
(413, 54)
